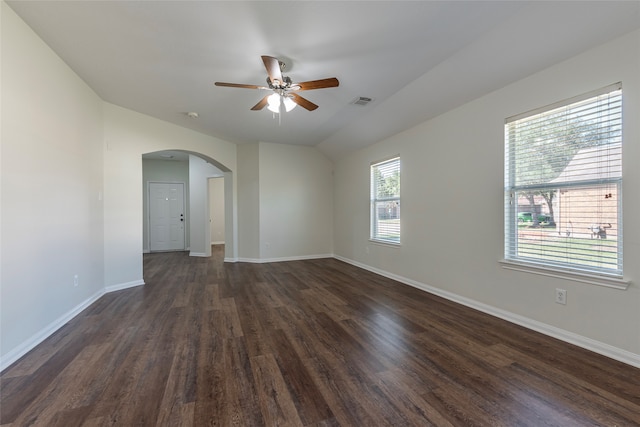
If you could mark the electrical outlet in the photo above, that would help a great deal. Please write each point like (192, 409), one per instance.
(561, 296)
(75, 280)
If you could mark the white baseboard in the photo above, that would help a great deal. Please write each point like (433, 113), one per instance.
(604, 349)
(122, 286)
(198, 254)
(282, 259)
(251, 260)
(561, 334)
(221, 242)
(46, 332)
(28, 345)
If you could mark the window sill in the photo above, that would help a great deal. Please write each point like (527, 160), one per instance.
(385, 243)
(592, 279)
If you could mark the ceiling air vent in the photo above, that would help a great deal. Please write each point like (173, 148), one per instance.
(361, 100)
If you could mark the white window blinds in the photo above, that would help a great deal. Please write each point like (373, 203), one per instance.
(385, 201)
(563, 181)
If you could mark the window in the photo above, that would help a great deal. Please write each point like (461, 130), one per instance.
(563, 181)
(385, 201)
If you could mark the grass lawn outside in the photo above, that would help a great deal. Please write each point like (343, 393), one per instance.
(546, 244)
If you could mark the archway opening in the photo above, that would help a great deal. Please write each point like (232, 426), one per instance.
(193, 172)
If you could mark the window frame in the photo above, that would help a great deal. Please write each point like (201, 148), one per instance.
(556, 268)
(374, 235)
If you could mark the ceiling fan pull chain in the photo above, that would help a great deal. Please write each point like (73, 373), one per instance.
(279, 117)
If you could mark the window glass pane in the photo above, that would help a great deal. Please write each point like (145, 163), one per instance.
(388, 220)
(575, 231)
(385, 201)
(563, 175)
(544, 144)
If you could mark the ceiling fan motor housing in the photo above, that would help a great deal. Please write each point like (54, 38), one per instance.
(285, 84)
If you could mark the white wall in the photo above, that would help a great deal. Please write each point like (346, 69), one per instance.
(72, 202)
(199, 173)
(286, 202)
(52, 212)
(216, 210)
(163, 171)
(71, 194)
(128, 135)
(296, 202)
(248, 202)
(452, 208)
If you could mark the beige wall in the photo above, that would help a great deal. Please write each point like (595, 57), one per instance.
(72, 203)
(72, 199)
(452, 208)
(296, 202)
(51, 190)
(248, 201)
(216, 209)
(286, 202)
(128, 135)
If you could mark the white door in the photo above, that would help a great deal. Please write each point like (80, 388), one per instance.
(166, 216)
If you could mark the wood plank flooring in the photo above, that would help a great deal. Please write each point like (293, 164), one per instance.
(303, 343)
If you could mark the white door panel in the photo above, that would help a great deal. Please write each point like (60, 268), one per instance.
(166, 216)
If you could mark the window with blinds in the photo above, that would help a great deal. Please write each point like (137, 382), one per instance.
(563, 182)
(385, 201)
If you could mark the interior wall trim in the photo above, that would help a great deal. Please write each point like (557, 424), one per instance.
(604, 349)
(28, 345)
(198, 254)
(280, 259)
(122, 286)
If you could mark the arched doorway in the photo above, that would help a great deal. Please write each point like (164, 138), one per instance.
(193, 170)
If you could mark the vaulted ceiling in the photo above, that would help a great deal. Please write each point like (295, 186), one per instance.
(415, 59)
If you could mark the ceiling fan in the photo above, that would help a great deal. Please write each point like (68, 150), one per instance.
(284, 89)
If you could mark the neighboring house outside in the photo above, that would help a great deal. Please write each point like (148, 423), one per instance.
(590, 211)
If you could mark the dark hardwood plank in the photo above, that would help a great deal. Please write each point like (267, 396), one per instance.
(304, 343)
(309, 402)
(275, 401)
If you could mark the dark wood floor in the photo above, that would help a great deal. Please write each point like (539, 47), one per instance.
(311, 343)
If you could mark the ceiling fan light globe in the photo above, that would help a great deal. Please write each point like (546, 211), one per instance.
(274, 103)
(273, 108)
(289, 104)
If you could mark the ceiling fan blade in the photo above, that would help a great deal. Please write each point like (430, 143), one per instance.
(239, 85)
(260, 105)
(304, 103)
(273, 68)
(317, 84)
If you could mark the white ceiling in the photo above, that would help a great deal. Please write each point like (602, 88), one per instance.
(416, 59)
